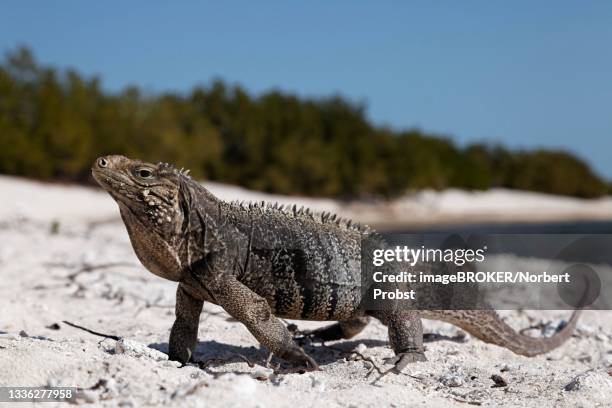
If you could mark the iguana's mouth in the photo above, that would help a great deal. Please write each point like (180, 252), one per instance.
(116, 185)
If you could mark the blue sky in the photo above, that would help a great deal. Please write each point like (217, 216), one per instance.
(523, 73)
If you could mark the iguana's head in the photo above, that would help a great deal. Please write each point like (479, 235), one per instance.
(148, 192)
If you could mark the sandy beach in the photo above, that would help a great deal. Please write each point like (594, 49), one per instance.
(65, 256)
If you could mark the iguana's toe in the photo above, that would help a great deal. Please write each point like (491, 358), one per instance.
(297, 354)
(401, 360)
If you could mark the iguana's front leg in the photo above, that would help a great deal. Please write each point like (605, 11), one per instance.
(184, 333)
(254, 312)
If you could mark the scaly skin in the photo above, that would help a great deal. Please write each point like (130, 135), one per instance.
(260, 262)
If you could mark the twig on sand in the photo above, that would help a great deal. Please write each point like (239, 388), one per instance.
(85, 267)
(108, 336)
(467, 401)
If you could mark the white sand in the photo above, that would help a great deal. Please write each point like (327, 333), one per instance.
(46, 280)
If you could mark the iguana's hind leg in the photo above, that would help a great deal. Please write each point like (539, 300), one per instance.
(254, 312)
(344, 329)
(405, 336)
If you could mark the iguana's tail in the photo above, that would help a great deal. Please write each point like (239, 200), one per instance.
(487, 326)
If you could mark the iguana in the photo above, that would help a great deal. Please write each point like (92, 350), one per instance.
(260, 262)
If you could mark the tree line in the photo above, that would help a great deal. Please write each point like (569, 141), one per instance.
(54, 123)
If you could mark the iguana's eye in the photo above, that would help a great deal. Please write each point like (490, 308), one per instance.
(144, 173)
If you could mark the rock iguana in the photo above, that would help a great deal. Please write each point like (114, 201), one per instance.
(260, 262)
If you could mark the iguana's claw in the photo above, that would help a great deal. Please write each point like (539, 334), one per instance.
(401, 360)
(297, 354)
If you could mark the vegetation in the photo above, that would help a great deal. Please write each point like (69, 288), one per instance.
(53, 124)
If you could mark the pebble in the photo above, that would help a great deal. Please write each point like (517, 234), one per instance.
(593, 381)
(262, 374)
(136, 349)
(87, 396)
(575, 384)
(454, 378)
(608, 359)
(584, 358)
(172, 363)
(361, 348)
(499, 381)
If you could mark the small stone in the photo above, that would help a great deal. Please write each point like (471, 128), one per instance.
(593, 381)
(136, 349)
(262, 374)
(87, 396)
(601, 337)
(499, 381)
(172, 363)
(53, 326)
(22, 333)
(452, 380)
(608, 359)
(574, 385)
(361, 348)
(584, 358)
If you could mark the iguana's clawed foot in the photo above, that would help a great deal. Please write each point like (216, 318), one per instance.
(401, 360)
(297, 354)
(181, 354)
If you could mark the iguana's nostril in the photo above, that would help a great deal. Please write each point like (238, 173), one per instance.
(102, 162)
